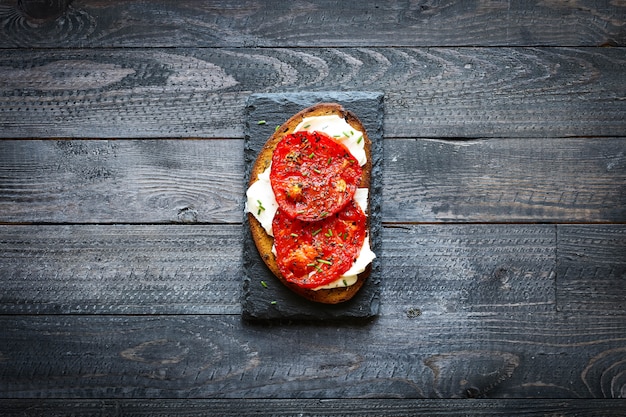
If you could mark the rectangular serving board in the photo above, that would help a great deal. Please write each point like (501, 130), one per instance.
(264, 297)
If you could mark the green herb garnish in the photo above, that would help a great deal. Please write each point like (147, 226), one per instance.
(261, 208)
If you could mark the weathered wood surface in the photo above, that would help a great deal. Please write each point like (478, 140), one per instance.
(319, 408)
(504, 208)
(321, 23)
(592, 268)
(163, 181)
(436, 355)
(429, 92)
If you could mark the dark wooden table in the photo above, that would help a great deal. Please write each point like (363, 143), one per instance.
(503, 272)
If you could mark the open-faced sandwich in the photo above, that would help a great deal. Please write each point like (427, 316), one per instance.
(307, 203)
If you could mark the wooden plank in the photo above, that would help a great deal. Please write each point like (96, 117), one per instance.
(315, 408)
(452, 355)
(429, 92)
(121, 181)
(592, 268)
(325, 23)
(120, 269)
(197, 269)
(507, 180)
(163, 181)
(479, 268)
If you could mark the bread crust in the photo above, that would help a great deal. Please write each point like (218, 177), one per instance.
(264, 242)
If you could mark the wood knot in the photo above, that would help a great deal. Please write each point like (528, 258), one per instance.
(43, 9)
(156, 352)
(413, 312)
(187, 215)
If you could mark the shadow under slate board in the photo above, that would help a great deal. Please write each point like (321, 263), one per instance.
(273, 301)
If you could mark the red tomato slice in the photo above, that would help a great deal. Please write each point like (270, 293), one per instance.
(311, 254)
(313, 176)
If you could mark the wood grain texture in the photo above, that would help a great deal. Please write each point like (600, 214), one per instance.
(506, 180)
(315, 408)
(120, 269)
(120, 254)
(322, 23)
(121, 181)
(592, 268)
(453, 355)
(200, 181)
(170, 269)
(429, 92)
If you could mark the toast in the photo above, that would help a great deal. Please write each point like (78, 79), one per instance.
(264, 242)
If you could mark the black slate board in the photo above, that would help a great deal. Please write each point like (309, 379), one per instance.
(274, 301)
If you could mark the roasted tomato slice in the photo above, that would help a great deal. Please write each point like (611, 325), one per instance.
(312, 254)
(313, 176)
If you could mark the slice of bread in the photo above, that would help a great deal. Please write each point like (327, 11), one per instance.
(264, 242)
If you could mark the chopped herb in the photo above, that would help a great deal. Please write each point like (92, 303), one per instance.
(260, 205)
(329, 233)
(330, 160)
(317, 171)
(273, 303)
(360, 139)
(352, 133)
(315, 232)
(294, 235)
(276, 129)
(306, 126)
(324, 214)
(345, 283)
(261, 208)
(336, 136)
(324, 261)
(261, 122)
(264, 284)
(346, 134)
(311, 264)
(312, 155)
